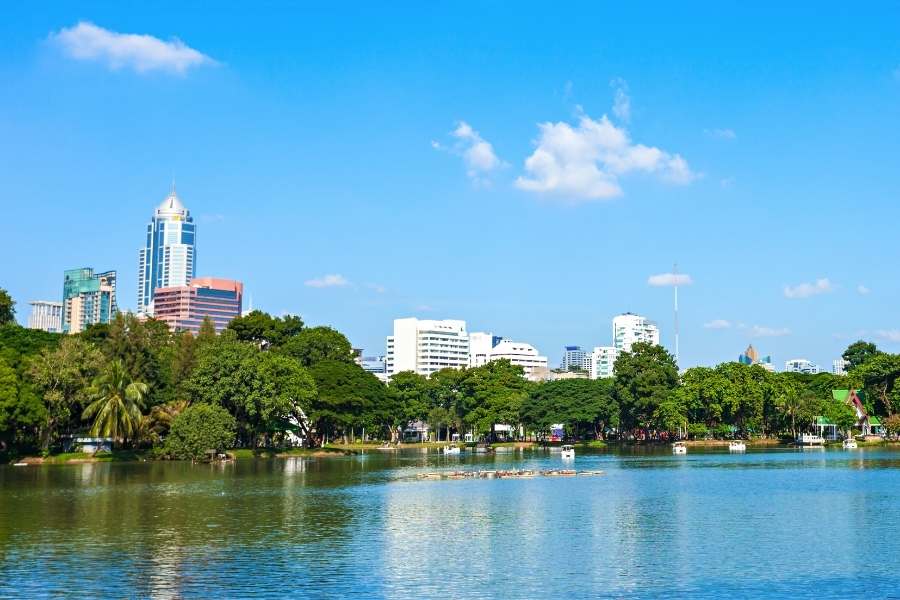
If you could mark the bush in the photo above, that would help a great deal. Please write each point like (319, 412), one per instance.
(200, 428)
(697, 431)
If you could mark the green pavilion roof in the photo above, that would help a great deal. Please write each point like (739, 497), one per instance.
(820, 420)
(873, 420)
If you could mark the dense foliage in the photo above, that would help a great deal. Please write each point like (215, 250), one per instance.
(199, 430)
(280, 382)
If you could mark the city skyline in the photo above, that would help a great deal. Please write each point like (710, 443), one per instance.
(353, 204)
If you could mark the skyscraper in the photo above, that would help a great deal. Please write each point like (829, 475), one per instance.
(169, 256)
(88, 298)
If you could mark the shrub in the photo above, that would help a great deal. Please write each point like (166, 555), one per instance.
(200, 428)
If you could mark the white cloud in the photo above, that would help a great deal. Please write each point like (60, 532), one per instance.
(585, 162)
(861, 289)
(621, 101)
(717, 324)
(805, 290)
(760, 331)
(891, 335)
(721, 134)
(477, 153)
(376, 287)
(327, 281)
(86, 41)
(670, 279)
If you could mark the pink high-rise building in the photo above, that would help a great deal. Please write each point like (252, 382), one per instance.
(183, 308)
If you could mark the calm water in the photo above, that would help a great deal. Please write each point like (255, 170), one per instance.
(774, 523)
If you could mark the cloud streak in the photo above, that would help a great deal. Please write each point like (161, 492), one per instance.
(138, 52)
(327, 281)
(717, 324)
(585, 162)
(477, 153)
(805, 290)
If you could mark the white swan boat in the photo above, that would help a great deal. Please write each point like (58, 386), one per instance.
(568, 452)
(451, 449)
(679, 448)
(850, 444)
(737, 446)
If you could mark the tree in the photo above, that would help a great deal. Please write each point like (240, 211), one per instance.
(199, 429)
(878, 375)
(411, 392)
(494, 394)
(316, 344)
(116, 410)
(265, 330)
(63, 376)
(347, 397)
(144, 349)
(21, 411)
(207, 331)
(7, 308)
(585, 406)
(892, 424)
(645, 379)
(859, 352)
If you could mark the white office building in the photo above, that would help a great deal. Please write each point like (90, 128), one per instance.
(801, 365)
(425, 346)
(574, 358)
(629, 329)
(839, 366)
(46, 315)
(603, 361)
(480, 346)
(520, 354)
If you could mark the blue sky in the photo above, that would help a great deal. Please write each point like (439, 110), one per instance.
(523, 168)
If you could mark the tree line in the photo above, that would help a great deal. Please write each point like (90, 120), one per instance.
(269, 381)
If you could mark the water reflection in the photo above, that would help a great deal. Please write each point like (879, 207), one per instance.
(773, 522)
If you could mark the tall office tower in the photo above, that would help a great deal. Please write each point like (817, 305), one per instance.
(169, 257)
(46, 315)
(628, 329)
(184, 307)
(425, 346)
(88, 298)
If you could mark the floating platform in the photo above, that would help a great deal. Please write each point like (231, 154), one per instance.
(511, 474)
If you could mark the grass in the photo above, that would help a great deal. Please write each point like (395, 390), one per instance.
(79, 457)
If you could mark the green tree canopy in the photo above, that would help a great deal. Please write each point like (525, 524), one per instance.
(198, 429)
(117, 405)
(347, 397)
(859, 352)
(7, 308)
(315, 344)
(645, 379)
(265, 330)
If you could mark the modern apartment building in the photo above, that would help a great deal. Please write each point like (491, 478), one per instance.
(801, 365)
(425, 346)
(839, 366)
(46, 315)
(628, 329)
(184, 307)
(603, 361)
(574, 358)
(88, 298)
(168, 258)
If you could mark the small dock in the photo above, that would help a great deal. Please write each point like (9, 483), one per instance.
(511, 474)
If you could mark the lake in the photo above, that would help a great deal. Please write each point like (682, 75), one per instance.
(773, 522)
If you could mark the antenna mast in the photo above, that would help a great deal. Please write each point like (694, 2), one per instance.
(675, 272)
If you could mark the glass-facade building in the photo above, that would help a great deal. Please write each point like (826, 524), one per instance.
(183, 308)
(169, 256)
(88, 298)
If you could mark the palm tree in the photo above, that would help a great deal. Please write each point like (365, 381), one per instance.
(116, 409)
